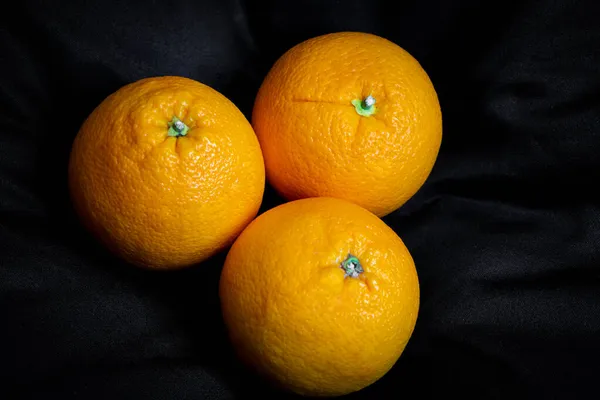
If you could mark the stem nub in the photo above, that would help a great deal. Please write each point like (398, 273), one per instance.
(177, 128)
(352, 267)
(365, 107)
(368, 102)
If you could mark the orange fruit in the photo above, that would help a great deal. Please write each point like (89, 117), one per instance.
(348, 115)
(320, 296)
(166, 172)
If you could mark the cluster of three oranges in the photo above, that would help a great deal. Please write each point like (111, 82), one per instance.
(318, 294)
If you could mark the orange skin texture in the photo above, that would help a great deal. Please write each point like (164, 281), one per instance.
(159, 201)
(293, 315)
(316, 144)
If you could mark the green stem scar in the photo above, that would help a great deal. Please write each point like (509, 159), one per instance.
(177, 128)
(351, 266)
(365, 107)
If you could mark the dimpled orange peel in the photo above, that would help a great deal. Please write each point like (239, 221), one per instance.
(166, 172)
(320, 296)
(349, 115)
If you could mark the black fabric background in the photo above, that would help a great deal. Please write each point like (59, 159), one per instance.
(505, 232)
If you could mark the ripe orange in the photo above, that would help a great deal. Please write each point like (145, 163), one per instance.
(348, 115)
(320, 296)
(166, 172)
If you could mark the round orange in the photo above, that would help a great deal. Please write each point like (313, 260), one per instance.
(320, 296)
(348, 115)
(166, 172)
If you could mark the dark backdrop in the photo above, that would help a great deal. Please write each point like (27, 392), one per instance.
(505, 233)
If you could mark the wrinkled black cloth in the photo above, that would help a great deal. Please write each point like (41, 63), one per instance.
(505, 233)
